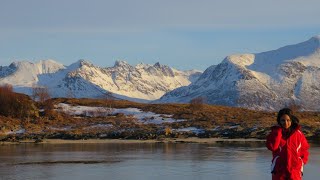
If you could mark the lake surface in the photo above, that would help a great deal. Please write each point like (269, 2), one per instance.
(139, 161)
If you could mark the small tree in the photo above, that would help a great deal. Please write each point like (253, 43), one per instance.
(196, 103)
(108, 100)
(108, 96)
(40, 94)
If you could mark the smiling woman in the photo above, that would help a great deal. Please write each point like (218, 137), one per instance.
(289, 147)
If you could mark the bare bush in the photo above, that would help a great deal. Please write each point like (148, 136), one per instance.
(108, 100)
(40, 94)
(168, 131)
(197, 103)
(15, 105)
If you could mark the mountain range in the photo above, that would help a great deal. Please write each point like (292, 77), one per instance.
(81, 79)
(269, 80)
(264, 81)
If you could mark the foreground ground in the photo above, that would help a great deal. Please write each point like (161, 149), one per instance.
(77, 119)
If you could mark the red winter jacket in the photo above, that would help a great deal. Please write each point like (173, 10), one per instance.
(289, 153)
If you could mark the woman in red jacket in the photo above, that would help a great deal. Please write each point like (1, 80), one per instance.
(289, 147)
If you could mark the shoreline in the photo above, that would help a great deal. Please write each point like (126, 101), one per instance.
(128, 141)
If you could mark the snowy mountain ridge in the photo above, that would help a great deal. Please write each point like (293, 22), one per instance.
(266, 81)
(25, 73)
(83, 79)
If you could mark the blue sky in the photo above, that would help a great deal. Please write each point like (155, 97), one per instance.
(185, 34)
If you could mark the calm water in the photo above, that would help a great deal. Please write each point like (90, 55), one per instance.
(248, 161)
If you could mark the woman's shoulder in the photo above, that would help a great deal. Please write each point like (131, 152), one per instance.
(298, 131)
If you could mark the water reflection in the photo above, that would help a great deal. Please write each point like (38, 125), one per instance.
(142, 161)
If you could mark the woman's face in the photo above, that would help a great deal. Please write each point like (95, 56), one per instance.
(285, 121)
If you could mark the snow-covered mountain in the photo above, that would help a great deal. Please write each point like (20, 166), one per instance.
(25, 73)
(83, 79)
(265, 81)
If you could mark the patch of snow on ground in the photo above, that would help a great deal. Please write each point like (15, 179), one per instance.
(105, 126)
(147, 117)
(67, 128)
(234, 127)
(143, 117)
(216, 128)
(83, 110)
(20, 131)
(190, 129)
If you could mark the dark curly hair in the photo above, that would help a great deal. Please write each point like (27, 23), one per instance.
(287, 111)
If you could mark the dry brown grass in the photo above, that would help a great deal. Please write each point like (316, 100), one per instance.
(8, 124)
(205, 116)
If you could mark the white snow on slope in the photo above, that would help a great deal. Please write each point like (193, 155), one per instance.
(26, 73)
(264, 81)
(81, 79)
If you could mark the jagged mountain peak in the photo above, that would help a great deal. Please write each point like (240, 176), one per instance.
(316, 38)
(157, 65)
(44, 61)
(80, 63)
(121, 63)
(83, 62)
(313, 43)
(17, 64)
(240, 59)
(158, 70)
(40, 67)
(25, 73)
(162, 67)
(13, 65)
